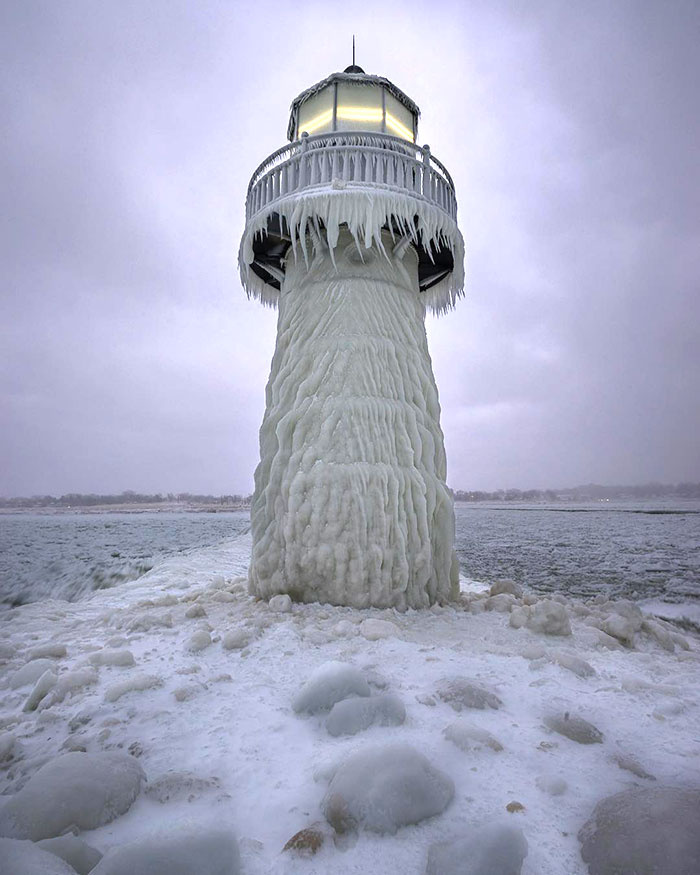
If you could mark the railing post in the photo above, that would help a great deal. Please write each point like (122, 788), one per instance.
(426, 171)
(302, 161)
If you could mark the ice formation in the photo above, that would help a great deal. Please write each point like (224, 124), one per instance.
(351, 505)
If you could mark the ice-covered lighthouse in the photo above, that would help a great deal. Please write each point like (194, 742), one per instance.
(351, 232)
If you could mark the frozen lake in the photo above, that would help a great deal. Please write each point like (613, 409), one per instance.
(634, 550)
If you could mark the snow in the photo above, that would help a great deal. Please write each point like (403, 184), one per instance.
(351, 505)
(78, 853)
(237, 757)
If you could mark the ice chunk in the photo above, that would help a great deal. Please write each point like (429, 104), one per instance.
(200, 852)
(619, 627)
(506, 586)
(7, 746)
(462, 693)
(123, 658)
(467, 736)
(354, 715)
(384, 788)
(135, 684)
(575, 728)
(631, 764)
(69, 683)
(491, 849)
(145, 622)
(549, 618)
(374, 630)
(30, 672)
(194, 611)
(48, 651)
(25, 858)
(644, 830)
(330, 683)
(573, 663)
(199, 640)
(236, 639)
(83, 790)
(77, 853)
(280, 604)
(43, 686)
(502, 603)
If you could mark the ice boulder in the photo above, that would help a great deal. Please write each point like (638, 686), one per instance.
(374, 630)
(77, 853)
(354, 715)
(25, 858)
(549, 618)
(83, 790)
(506, 586)
(493, 849)
(330, 683)
(644, 830)
(383, 788)
(204, 852)
(575, 728)
(462, 693)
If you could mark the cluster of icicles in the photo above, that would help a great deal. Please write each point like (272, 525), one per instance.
(364, 213)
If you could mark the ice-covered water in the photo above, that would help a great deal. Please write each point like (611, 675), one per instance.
(640, 551)
(623, 550)
(67, 556)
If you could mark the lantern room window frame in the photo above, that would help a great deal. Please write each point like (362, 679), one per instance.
(330, 120)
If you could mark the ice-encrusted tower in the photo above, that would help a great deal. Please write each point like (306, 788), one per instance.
(351, 232)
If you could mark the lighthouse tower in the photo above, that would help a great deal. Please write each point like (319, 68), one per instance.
(351, 233)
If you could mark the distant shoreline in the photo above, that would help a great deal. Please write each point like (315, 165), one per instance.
(98, 509)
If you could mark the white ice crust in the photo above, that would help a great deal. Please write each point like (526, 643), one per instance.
(351, 505)
(363, 212)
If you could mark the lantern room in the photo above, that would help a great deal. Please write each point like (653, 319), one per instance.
(354, 101)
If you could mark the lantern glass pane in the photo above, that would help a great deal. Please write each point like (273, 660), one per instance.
(399, 119)
(316, 113)
(359, 107)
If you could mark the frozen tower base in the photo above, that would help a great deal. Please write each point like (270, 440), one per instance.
(352, 234)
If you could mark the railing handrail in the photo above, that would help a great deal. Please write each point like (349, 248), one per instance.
(351, 137)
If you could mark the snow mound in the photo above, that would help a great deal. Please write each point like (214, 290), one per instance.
(644, 830)
(123, 658)
(354, 715)
(493, 849)
(383, 788)
(30, 672)
(330, 683)
(77, 853)
(466, 736)
(25, 858)
(136, 684)
(177, 786)
(69, 684)
(374, 630)
(204, 852)
(82, 790)
(548, 618)
(462, 693)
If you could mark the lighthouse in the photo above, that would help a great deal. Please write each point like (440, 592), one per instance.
(351, 232)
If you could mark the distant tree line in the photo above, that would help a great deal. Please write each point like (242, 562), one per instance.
(76, 499)
(591, 492)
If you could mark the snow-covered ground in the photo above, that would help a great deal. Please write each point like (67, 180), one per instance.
(224, 713)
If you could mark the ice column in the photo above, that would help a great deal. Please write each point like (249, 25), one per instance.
(351, 505)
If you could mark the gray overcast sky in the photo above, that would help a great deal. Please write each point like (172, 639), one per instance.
(131, 357)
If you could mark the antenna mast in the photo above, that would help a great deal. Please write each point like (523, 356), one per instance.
(353, 50)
